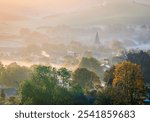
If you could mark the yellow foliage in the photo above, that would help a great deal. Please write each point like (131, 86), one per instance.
(129, 74)
(129, 83)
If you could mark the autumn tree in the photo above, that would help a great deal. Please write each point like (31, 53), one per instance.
(129, 82)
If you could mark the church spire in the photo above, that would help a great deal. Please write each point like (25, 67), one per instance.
(97, 40)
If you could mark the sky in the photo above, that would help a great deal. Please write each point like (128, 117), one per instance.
(17, 13)
(20, 8)
(42, 7)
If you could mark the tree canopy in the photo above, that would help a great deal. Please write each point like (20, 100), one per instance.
(44, 88)
(143, 59)
(85, 78)
(129, 82)
(91, 64)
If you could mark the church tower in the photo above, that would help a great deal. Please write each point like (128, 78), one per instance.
(97, 40)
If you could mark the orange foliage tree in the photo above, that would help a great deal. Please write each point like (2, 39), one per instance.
(128, 79)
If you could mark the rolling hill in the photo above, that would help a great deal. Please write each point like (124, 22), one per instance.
(113, 12)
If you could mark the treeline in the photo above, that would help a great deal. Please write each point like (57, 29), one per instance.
(124, 83)
(11, 75)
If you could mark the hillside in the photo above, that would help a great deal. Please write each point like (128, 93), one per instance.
(108, 12)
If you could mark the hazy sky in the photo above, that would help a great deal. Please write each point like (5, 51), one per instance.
(72, 12)
(31, 12)
(47, 7)
(43, 7)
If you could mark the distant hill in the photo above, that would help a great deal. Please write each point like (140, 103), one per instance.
(113, 12)
(4, 16)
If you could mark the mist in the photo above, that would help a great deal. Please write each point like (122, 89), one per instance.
(46, 30)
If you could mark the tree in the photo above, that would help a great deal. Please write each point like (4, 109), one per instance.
(43, 88)
(148, 52)
(104, 97)
(2, 68)
(129, 82)
(14, 100)
(40, 87)
(143, 59)
(78, 95)
(85, 78)
(14, 74)
(109, 76)
(88, 54)
(2, 95)
(65, 75)
(62, 96)
(72, 96)
(2, 72)
(91, 64)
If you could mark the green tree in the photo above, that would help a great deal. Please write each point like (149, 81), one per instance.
(104, 97)
(78, 95)
(91, 64)
(109, 76)
(2, 72)
(44, 88)
(85, 78)
(14, 100)
(62, 96)
(2, 95)
(14, 74)
(148, 52)
(143, 59)
(39, 89)
(65, 75)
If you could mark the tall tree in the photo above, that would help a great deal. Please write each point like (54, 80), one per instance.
(141, 58)
(65, 75)
(2, 94)
(12, 74)
(40, 87)
(2, 72)
(91, 64)
(85, 78)
(129, 81)
(43, 88)
(109, 76)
